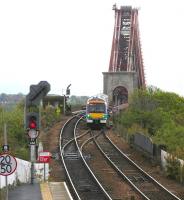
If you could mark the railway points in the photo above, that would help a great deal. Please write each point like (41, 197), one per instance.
(142, 184)
(83, 183)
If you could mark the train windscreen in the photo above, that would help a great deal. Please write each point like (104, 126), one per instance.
(96, 108)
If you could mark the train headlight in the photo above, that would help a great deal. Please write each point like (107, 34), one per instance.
(105, 116)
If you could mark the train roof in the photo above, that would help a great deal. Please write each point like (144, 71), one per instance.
(95, 100)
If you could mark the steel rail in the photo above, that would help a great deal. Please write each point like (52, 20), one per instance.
(93, 175)
(118, 170)
(63, 161)
(142, 171)
(73, 139)
(62, 157)
(149, 176)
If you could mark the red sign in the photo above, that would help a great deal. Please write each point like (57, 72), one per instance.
(44, 157)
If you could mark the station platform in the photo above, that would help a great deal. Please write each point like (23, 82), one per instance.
(42, 191)
(55, 191)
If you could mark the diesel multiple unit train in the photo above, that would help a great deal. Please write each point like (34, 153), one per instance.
(97, 112)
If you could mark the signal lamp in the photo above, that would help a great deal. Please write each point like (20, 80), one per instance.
(32, 124)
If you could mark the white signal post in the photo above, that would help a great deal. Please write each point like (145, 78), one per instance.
(32, 117)
(6, 143)
(33, 134)
(8, 163)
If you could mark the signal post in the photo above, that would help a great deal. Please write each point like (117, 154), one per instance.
(32, 117)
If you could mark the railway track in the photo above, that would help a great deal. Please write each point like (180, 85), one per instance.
(117, 188)
(84, 184)
(143, 183)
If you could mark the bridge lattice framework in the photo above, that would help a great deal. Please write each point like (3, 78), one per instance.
(126, 70)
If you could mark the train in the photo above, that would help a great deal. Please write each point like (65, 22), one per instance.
(97, 112)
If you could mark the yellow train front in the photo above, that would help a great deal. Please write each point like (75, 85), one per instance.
(96, 113)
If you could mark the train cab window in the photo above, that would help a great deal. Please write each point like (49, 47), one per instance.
(96, 108)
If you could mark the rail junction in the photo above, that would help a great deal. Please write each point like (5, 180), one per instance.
(77, 146)
(83, 182)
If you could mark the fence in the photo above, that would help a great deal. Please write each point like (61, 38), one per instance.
(22, 173)
(145, 145)
(156, 153)
(144, 142)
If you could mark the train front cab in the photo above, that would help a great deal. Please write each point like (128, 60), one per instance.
(96, 115)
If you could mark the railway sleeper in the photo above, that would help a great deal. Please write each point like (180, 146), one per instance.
(137, 178)
(87, 156)
(85, 186)
(72, 156)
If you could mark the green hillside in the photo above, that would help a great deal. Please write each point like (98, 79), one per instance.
(157, 114)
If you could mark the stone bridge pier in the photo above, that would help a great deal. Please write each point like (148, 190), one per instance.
(119, 86)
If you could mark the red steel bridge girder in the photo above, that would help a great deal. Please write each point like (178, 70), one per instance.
(126, 52)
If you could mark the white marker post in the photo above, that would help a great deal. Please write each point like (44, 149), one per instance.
(6, 143)
(8, 163)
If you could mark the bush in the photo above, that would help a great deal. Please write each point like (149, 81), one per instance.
(16, 135)
(158, 114)
(172, 167)
(49, 116)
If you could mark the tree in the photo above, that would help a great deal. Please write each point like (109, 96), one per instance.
(159, 114)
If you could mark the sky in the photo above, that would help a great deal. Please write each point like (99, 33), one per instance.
(69, 42)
